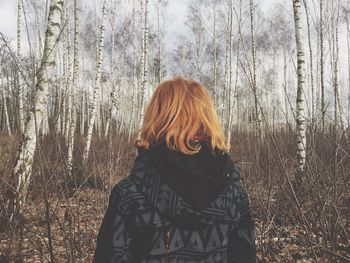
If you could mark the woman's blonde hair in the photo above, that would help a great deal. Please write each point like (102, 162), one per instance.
(180, 111)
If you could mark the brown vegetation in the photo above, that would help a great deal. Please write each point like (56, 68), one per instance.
(61, 220)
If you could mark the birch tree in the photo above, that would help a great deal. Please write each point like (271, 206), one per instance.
(23, 168)
(112, 79)
(38, 43)
(96, 91)
(73, 92)
(228, 75)
(258, 120)
(215, 54)
(347, 11)
(196, 25)
(134, 72)
(4, 115)
(4, 101)
(313, 96)
(300, 117)
(68, 71)
(239, 25)
(19, 69)
(159, 38)
(337, 92)
(144, 61)
(323, 106)
(239, 33)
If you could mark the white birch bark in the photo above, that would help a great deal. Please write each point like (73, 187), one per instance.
(37, 34)
(348, 58)
(61, 110)
(134, 75)
(47, 10)
(19, 68)
(323, 106)
(99, 115)
(159, 38)
(112, 59)
(142, 15)
(144, 63)
(258, 120)
(313, 96)
(336, 72)
(68, 70)
(228, 88)
(239, 39)
(24, 163)
(215, 54)
(58, 108)
(97, 84)
(235, 95)
(227, 66)
(226, 73)
(82, 113)
(285, 88)
(300, 104)
(73, 91)
(4, 101)
(198, 40)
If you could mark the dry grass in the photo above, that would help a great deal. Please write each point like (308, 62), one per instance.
(63, 214)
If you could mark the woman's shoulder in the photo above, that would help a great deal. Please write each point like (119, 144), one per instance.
(128, 184)
(235, 173)
(237, 190)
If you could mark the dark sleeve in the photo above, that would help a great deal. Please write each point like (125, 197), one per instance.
(241, 246)
(113, 239)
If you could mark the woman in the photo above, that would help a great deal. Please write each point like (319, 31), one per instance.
(183, 200)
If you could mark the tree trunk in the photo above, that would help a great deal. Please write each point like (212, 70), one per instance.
(82, 113)
(24, 163)
(348, 48)
(4, 99)
(323, 106)
(336, 72)
(68, 71)
(134, 74)
(112, 79)
(159, 55)
(37, 34)
(258, 120)
(313, 96)
(73, 92)
(285, 89)
(97, 85)
(228, 87)
(144, 63)
(19, 69)
(239, 25)
(215, 55)
(300, 117)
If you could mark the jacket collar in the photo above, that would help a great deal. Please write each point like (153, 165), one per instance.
(197, 178)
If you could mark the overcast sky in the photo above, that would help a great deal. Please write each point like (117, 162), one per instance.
(176, 10)
(8, 17)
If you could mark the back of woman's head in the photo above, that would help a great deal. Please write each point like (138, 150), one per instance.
(179, 112)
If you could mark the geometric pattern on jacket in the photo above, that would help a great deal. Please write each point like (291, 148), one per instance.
(147, 221)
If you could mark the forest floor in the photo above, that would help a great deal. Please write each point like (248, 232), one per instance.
(74, 223)
(62, 217)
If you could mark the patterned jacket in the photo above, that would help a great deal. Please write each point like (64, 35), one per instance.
(148, 221)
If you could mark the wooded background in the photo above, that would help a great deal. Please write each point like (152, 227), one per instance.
(76, 79)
